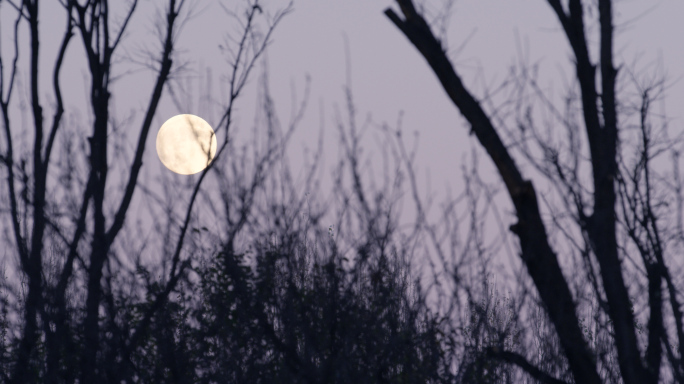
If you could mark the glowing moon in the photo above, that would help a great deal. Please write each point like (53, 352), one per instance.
(186, 144)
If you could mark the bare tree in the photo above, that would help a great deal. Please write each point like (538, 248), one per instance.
(281, 297)
(64, 223)
(622, 200)
(334, 303)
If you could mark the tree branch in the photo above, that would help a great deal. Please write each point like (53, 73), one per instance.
(57, 118)
(539, 258)
(602, 144)
(163, 75)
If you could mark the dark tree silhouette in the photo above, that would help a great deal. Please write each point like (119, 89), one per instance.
(65, 222)
(247, 280)
(621, 200)
(266, 295)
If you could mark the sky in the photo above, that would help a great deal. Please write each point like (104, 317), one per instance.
(388, 76)
(485, 38)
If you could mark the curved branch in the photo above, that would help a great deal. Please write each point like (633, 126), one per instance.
(57, 118)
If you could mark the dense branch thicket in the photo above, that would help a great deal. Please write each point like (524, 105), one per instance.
(616, 216)
(235, 275)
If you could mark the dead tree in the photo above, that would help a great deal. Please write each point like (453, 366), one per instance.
(600, 226)
(81, 242)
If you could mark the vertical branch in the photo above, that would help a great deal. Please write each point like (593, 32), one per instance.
(99, 48)
(31, 258)
(602, 144)
(27, 342)
(653, 270)
(573, 25)
(8, 157)
(56, 340)
(57, 118)
(33, 264)
(608, 75)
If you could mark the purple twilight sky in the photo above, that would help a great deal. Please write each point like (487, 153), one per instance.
(484, 37)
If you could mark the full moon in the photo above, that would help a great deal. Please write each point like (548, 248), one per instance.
(186, 144)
